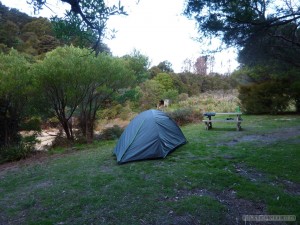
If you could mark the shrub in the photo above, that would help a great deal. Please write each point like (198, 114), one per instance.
(132, 95)
(170, 94)
(111, 133)
(15, 152)
(53, 122)
(60, 141)
(19, 150)
(33, 123)
(110, 113)
(183, 97)
(185, 116)
(267, 97)
(124, 115)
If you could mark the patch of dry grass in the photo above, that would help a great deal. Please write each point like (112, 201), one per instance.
(213, 101)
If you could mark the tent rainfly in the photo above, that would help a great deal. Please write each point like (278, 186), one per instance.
(151, 134)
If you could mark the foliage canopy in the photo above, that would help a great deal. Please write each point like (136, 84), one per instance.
(89, 16)
(77, 82)
(251, 24)
(16, 87)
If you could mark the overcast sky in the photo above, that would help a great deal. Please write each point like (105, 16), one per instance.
(156, 28)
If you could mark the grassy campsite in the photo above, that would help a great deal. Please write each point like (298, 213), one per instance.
(217, 177)
(149, 112)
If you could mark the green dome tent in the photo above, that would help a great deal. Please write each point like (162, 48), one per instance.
(151, 134)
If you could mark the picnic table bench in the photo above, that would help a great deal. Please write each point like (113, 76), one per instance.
(208, 122)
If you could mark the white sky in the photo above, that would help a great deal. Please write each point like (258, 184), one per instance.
(156, 28)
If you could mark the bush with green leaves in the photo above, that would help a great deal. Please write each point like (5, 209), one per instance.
(267, 97)
(185, 116)
(111, 133)
(171, 94)
(52, 122)
(18, 151)
(152, 92)
(126, 112)
(14, 153)
(133, 95)
(76, 82)
(269, 88)
(16, 88)
(165, 80)
(183, 97)
(32, 123)
(110, 113)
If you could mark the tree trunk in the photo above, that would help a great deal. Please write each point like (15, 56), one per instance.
(90, 136)
(68, 130)
(297, 104)
(9, 123)
(87, 127)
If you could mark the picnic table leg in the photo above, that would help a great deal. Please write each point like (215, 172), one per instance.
(238, 128)
(206, 126)
(239, 119)
(209, 123)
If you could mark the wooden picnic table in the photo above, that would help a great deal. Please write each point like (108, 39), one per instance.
(208, 122)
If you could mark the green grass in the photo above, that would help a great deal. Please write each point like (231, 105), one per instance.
(190, 186)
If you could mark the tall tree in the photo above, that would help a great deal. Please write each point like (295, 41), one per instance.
(62, 77)
(165, 66)
(201, 65)
(88, 15)
(76, 82)
(15, 90)
(107, 75)
(187, 66)
(139, 64)
(152, 92)
(267, 34)
(70, 32)
(245, 23)
(165, 80)
(154, 70)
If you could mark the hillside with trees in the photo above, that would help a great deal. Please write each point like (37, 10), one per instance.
(33, 36)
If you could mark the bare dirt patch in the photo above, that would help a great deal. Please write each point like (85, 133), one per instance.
(257, 176)
(280, 135)
(236, 207)
(250, 173)
(291, 187)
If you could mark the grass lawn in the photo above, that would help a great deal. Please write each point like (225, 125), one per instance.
(220, 175)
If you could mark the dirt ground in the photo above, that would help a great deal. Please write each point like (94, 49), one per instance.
(277, 135)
